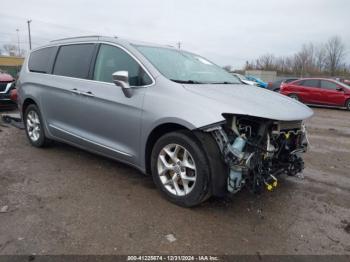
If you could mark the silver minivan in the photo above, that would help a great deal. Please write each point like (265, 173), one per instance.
(170, 113)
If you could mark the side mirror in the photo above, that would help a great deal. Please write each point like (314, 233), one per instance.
(339, 88)
(121, 78)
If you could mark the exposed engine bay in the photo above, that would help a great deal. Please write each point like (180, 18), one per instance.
(257, 150)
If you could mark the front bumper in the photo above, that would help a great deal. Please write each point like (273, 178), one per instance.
(6, 102)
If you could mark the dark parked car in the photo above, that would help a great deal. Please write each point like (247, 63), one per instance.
(275, 86)
(318, 91)
(7, 83)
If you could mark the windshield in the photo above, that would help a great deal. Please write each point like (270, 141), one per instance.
(184, 67)
(343, 84)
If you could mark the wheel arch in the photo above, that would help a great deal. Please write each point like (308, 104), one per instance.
(154, 135)
(28, 101)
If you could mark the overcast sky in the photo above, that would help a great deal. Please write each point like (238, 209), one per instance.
(225, 31)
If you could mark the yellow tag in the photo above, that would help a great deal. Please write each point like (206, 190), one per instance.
(275, 184)
(269, 187)
(287, 135)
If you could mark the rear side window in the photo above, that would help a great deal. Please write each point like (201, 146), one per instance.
(111, 59)
(328, 85)
(298, 83)
(311, 83)
(289, 80)
(40, 61)
(74, 60)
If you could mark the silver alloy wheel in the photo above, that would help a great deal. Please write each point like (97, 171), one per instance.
(33, 125)
(176, 169)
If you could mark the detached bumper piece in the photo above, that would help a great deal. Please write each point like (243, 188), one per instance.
(13, 119)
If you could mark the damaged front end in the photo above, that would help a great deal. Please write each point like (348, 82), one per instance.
(257, 150)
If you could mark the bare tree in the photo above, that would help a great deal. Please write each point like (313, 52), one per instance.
(304, 59)
(310, 60)
(249, 65)
(335, 53)
(228, 68)
(10, 49)
(320, 58)
(266, 62)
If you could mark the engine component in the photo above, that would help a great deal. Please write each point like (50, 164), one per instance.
(234, 180)
(235, 177)
(272, 184)
(237, 147)
(257, 150)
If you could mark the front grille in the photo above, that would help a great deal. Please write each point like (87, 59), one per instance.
(3, 87)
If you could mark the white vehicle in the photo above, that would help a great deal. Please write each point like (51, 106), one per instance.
(244, 79)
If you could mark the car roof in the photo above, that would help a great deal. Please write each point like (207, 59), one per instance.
(99, 38)
(317, 78)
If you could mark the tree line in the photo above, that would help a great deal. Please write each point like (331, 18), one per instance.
(326, 59)
(12, 50)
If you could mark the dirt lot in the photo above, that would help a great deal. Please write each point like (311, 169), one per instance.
(62, 200)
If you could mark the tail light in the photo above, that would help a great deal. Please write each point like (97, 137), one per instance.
(13, 95)
(282, 86)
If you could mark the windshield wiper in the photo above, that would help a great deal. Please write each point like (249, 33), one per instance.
(187, 81)
(226, 83)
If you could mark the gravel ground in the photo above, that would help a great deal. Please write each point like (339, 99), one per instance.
(62, 200)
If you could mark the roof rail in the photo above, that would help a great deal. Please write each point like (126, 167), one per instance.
(76, 37)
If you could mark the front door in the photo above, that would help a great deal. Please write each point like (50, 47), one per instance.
(331, 94)
(110, 121)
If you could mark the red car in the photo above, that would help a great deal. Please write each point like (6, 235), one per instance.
(318, 91)
(6, 86)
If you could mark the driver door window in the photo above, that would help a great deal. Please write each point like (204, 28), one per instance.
(111, 59)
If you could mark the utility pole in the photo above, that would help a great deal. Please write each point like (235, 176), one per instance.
(179, 45)
(19, 48)
(30, 38)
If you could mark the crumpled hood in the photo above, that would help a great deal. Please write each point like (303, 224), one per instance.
(252, 101)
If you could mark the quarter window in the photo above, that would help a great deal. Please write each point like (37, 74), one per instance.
(328, 85)
(40, 61)
(111, 59)
(74, 60)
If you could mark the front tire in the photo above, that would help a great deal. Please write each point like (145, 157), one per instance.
(347, 104)
(34, 126)
(180, 169)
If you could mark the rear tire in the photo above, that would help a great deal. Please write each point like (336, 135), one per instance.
(180, 169)
(34, 127)
(294, 96)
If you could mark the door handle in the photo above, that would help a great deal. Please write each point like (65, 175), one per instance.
(75, 91)
(88, 93)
